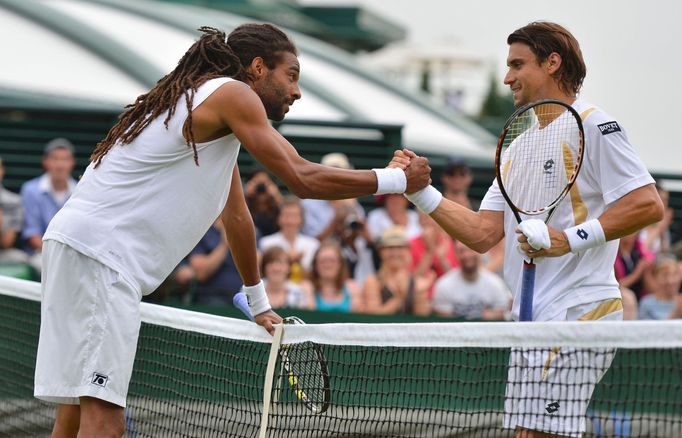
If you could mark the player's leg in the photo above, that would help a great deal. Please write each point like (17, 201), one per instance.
(100, 418)
(527, 433)
(90, 321)
(67, 422)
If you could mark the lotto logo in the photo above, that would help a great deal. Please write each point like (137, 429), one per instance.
(582, 234)
(552, 407)
(99, 379)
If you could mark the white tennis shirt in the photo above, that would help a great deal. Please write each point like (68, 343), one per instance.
(148, 204)
(610, 170)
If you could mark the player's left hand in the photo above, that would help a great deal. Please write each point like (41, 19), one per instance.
(533, 242)
(267, 320)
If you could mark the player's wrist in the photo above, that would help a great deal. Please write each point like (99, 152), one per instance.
(426, 199)
(390, 180)
(257, 298)
(585, 236)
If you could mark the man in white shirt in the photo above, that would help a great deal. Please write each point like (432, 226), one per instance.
(613, 196)
(471, 291)
(160, 178)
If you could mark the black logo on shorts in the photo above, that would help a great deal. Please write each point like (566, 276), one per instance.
(608, 128)
(552, 407)
(582, 234)
(99, 379)
(548, 166)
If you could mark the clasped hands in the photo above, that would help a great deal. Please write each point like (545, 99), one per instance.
(417, 169)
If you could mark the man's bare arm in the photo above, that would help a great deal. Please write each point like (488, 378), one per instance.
(248, 121)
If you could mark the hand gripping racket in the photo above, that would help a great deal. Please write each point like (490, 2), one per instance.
(538, 157)
(304, 365)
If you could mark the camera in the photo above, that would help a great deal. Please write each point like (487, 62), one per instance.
(352, 222)
(261, 188)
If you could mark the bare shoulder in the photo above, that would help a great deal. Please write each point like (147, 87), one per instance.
(236, 100)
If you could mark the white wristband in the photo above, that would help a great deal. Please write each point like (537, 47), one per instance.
(585, 236)
(257, 298)
(390, 180)
(427, 199)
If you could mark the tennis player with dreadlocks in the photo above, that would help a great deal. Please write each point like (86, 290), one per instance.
(156, 183)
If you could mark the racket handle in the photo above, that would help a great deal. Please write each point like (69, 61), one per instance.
(527, 289)
(241, 302)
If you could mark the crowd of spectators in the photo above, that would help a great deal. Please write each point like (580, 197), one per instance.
(340, 256)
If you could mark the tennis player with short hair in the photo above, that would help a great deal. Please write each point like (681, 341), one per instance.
(156, 183)
(614, 195)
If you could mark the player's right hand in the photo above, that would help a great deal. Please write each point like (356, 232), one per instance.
(267, 320)
(418, 173)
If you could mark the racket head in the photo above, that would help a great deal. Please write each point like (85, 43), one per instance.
(539, 155)
(306, 372)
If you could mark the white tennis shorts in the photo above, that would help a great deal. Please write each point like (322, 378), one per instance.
(89, 325)
(548, 390)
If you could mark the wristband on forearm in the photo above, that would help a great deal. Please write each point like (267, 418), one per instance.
(390, 180)
(257, 298)
(585, 236)
(427, 199)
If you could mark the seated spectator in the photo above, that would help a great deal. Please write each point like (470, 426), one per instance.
(263, 198)
(275, 268)
(11, 220)
(633, 265)
(664, 301)
(393, 212)
(299, 247)
(433, 250)
(216, 278)
(323, 218)
(394, 289)
(42, 197)
(330, 283)
(457, 179)
(471, 291)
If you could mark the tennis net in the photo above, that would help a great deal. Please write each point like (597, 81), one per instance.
(200, 375)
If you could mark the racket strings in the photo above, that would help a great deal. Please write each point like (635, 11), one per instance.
(540, 157)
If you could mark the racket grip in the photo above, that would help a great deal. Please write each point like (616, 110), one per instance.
(240, 302)
(527, 289)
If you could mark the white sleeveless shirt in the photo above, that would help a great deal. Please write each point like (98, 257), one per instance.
(148, 204)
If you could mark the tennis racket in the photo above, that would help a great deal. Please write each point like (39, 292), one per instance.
(538, 157)
(303, 364)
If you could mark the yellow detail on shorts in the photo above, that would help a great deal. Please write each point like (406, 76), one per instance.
(602, 310)
(549, 360)
(579, 209)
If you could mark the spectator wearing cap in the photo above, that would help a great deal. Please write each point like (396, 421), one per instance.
(457, 179)
(11, 221)
(43, 196)
(394, 289)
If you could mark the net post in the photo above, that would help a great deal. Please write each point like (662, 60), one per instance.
(269, 375)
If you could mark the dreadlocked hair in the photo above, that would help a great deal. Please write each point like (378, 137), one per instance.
(213, 55)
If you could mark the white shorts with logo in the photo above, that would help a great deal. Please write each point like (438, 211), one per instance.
(548, 390)
(89, 325)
